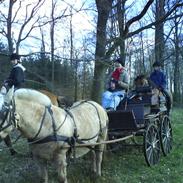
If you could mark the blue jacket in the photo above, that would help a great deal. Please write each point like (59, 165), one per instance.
(158, 78)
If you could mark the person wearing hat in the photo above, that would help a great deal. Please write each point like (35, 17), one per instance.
(158, 79)
(117, 84)
(16, 76)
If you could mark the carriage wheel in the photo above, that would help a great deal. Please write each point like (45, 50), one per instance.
(166, 137)
(151, 145)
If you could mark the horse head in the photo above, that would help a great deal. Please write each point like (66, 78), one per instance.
(5, 110)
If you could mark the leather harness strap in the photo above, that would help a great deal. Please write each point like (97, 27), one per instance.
(10, 109)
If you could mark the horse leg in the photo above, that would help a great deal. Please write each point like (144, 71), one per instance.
(7, 141)
(94, 161)
(43, 172)
(99, 149)
(62, 167)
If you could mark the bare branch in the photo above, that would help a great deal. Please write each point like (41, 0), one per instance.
(117, 41)
(28, 19)
(138, 17)
(13, 19)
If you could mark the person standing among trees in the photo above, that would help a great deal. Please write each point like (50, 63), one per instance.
(118, 83)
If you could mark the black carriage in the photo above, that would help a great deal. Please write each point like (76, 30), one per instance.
(136, 115)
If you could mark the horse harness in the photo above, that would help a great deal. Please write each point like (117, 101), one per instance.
(55, 137)
(8, 111)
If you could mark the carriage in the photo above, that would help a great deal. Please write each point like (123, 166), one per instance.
(136, 116)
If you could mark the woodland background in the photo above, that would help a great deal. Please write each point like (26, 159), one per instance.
(77, 64)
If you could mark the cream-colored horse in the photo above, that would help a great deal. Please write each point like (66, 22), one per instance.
(51, 129)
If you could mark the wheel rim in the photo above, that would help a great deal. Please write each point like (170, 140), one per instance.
(152, 145)
(166, 135)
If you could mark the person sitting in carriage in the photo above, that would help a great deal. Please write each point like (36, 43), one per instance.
(16, 76)
(117, 84)
(158, 79)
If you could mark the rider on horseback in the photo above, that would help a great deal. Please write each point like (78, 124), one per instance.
(16, 76)
(16, 79)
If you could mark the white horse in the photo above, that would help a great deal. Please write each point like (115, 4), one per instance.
(50, 129)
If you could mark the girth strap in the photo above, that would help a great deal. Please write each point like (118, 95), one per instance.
(75, 135)
(53, 123)
(41, 124)
(50, 138)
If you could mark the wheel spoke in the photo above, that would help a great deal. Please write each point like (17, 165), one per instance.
(166, 135)
(149, 149)
(155, 157)
(152, 145)
(150, 156)
(148, 142)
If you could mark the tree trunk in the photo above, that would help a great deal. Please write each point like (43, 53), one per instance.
(52, 29)
(121, 22)
(9, 27)
(176, 64)
(104, 7)
(159, 32)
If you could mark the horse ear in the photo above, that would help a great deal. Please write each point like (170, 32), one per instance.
(9, 95)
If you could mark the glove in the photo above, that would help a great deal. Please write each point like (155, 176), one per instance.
(3, 90)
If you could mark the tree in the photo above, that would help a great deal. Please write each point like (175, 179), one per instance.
(103, 7)
(159, 31)
(11, 19)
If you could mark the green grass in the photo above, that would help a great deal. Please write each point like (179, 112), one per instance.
(127, 165)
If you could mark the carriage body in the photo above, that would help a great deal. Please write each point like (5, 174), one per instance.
(141, 118)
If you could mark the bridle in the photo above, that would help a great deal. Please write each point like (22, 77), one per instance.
(7, 114)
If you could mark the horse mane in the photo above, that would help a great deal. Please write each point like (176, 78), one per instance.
(33, 96)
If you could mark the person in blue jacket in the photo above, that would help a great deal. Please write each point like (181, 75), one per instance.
(158, 79)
